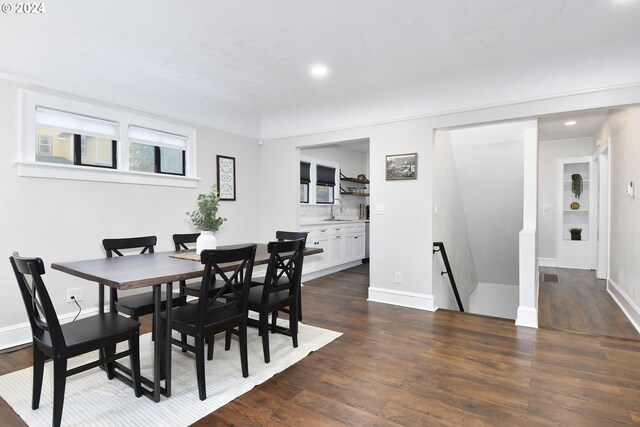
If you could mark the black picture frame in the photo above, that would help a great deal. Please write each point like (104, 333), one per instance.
(226, 177)
(401, 166)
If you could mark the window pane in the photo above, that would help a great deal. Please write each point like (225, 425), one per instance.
(304, 193)
(171, 161)
(324, 194)
(54, 146)
(96, 151)
(142, 157)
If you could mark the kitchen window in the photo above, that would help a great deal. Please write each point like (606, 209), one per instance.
(305, 181)
(325, 184)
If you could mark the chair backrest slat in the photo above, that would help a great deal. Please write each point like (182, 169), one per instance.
(292, 235)
(42, 315)
(145, 244)
(181, 240)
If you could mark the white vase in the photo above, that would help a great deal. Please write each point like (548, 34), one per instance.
(206, 240)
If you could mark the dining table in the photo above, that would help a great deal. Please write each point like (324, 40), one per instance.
(151, 270)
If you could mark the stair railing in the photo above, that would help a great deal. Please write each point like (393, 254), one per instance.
(439, 247)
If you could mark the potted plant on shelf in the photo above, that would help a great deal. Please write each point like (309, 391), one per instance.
(576, 185)
(576, 233)
(206, 219)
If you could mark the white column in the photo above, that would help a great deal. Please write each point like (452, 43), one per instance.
(528, 308)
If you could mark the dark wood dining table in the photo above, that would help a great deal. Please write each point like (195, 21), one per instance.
(155, 269)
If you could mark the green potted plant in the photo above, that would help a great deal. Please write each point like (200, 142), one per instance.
(576, 185)
(576, 233)
(206, 219)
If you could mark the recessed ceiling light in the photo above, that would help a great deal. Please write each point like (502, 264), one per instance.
(319, 71)
(570, 123)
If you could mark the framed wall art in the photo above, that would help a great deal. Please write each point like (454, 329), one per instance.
(402, 166)
(226, 177)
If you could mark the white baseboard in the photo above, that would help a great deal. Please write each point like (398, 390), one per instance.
(547, 262)
(403, 299)
(14, 335)
(319, 273)
(628, 307)
(527, 316)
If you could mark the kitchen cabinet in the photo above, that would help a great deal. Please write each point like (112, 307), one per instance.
(342, 244)
(318, 238)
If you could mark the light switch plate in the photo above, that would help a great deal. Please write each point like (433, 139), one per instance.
(379, 208)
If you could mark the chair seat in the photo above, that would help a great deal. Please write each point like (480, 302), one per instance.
(142, 304)
(93, 332)
(276, 299)
(184, 318)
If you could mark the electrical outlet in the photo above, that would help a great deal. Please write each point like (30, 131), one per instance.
(75, 293)
(398, 277)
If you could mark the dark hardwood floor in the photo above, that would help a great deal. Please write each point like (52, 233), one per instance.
(579, 302)
(398, 366)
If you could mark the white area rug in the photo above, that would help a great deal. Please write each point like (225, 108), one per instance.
(92, 400)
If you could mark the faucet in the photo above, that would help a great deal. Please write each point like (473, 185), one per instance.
(332, 215)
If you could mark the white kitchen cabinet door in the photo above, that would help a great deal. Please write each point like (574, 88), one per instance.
(337, 249)
(321, 260)
(358, 246)
(348, 247)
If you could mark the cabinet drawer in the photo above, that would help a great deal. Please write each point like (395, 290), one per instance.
(338, 229)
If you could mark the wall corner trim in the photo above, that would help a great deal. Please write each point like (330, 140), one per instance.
(626, 304)
(403, 299)
(527, 316)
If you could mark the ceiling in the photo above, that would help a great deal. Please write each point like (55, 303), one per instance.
(554, 127)
(231, 64)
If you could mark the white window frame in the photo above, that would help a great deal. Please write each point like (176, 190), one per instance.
(27, 165)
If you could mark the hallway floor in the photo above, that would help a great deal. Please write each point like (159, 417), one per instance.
(579, 302)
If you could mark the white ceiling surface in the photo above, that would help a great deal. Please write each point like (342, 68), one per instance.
(588, 124)
(489, 162)
(243, 65)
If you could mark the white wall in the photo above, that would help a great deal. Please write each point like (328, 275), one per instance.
(406, 226)
(450, 227)
(623, 127)
(63, 220)
(489, 162)
(401, 236)
(549, 153)
(483, 300)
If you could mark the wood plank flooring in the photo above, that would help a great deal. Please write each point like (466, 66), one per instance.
(579, 302)
(398, 366)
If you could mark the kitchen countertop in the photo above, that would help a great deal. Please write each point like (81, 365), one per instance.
(323, 221)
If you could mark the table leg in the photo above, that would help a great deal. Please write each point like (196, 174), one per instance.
(167, 341)
(101, 299)
(157, 346)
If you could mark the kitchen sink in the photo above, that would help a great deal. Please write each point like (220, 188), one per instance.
(337, 219)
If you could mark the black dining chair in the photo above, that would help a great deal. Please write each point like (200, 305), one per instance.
(59, 343)
(293, 235)
(213, 314)
(138, 304)
(181, 242)
(279, 290)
